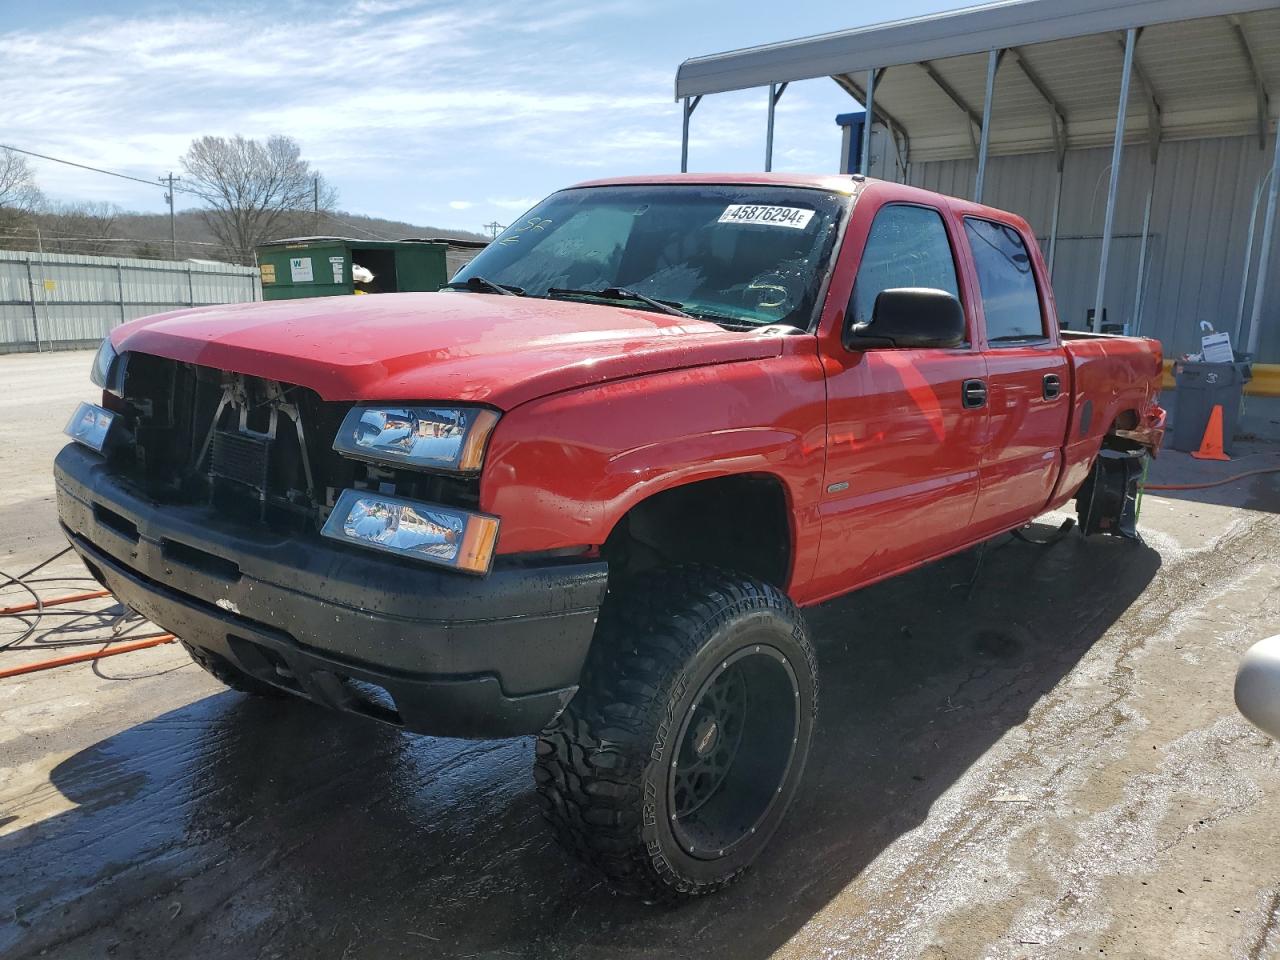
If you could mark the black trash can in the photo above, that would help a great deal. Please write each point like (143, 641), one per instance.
(1199, 387)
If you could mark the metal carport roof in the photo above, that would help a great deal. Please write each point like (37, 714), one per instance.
(1195, 59)
(1028, 76)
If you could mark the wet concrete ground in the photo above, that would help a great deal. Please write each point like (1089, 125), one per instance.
(1045, 765)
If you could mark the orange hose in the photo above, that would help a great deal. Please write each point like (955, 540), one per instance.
(73, 598)
(1211, 483)
(82, 657)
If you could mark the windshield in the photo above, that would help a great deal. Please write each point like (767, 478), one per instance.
(737, 254)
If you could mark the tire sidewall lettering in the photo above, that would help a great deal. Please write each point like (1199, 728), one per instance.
(659, 749)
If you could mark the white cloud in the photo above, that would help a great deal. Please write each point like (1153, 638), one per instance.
(515, 204)
(384, 7)
(403, 104)
(385, 85)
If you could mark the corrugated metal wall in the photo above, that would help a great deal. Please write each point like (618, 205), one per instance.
(72, 301)
(1204, 193)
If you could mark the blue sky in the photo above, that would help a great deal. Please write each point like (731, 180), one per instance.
(433, 111)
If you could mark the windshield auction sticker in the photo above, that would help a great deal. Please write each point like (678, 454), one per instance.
(794, 217)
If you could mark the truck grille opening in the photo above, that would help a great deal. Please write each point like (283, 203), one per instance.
(255, 451)
(201, 560)
(114, 521)
(240, 458)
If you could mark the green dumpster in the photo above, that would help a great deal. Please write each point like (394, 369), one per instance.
(324, 266)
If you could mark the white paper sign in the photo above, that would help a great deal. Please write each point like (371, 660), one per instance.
(337, 263)
(1216, 348)
(300, 269)
(795, 217)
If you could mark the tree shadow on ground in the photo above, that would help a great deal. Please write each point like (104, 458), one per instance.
(241, 828)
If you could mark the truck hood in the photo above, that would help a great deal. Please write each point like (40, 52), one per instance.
(438, 346)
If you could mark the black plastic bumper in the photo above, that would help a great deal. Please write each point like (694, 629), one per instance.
(431, 650)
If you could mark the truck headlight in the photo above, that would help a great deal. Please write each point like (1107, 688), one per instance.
(107, 371)
(446, 536)
(422, 437)
(89, 425)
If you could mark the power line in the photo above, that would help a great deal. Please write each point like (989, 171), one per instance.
(85, 166)
(172, 188)
(73, 239)
(367, 233)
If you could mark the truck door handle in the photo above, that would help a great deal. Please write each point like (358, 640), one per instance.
(1052, 386)
(974, 394)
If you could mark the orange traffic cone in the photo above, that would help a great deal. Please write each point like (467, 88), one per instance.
(1211, 444)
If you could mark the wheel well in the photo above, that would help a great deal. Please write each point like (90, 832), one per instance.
(1114, 440)
(738, 523)
(1125, 420)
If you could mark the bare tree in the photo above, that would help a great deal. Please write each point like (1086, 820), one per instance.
(254, 190)
(88, 228)
(19, 196)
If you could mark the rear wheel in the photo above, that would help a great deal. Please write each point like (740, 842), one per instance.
(679, 756)
(233, 677)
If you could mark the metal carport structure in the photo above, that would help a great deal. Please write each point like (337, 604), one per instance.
(1031, 105)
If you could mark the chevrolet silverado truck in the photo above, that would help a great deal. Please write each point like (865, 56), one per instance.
(585, 493)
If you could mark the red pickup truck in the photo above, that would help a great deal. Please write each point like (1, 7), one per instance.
(584, 492)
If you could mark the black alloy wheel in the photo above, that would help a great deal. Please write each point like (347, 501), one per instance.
(677, 760)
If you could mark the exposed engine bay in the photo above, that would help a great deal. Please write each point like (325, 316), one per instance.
(256, 449)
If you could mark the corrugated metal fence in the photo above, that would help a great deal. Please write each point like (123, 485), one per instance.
(64, 301)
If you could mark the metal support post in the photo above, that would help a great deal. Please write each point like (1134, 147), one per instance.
(35, 316)
(865, 164)
(1264, 253)
(690, 104)
(993, 63)
(1140, 290)
(1117, 151)
(776, 90)
(1248, 256)
(1053, 225)
(120, 289)
(768, 136)
(1057, 122)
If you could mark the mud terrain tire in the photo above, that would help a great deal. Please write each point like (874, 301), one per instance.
(677, 760)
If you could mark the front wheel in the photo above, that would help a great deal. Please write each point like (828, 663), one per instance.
(232, 676)
(679, 756)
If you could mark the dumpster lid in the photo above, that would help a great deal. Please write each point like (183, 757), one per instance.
(451, 241)
(317, 239)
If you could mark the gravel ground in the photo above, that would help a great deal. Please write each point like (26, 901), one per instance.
(1045, 765)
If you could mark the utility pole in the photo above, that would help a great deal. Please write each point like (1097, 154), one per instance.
(494, 229)
(173, 223)
(315, 203)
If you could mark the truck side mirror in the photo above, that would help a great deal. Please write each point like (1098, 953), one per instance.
(910, 317)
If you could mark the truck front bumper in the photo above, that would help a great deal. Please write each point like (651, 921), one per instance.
(430, 650)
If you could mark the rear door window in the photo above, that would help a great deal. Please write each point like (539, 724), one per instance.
(1006, 282)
